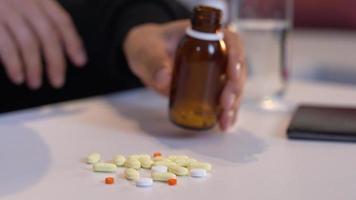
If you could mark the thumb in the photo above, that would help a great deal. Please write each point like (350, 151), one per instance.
(176, 29)
(159, 69)
(162, 76)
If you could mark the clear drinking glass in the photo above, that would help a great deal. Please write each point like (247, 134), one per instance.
(263, 26)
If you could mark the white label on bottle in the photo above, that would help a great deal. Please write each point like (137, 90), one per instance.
(205, 36)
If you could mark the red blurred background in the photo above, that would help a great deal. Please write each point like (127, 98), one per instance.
(325, 13)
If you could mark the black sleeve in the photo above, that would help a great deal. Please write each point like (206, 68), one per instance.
(119, 16)
(126, 14)
(102, 25)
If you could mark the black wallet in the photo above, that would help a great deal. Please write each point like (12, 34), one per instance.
(323, 123)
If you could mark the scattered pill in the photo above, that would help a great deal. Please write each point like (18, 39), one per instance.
(165, 169)
(198, 173)
(156, 154)
(144, 182)
(164, 163)
(93, 158)
(132, 174)
(146, 162)
(172, 181)
(132, 163)
(200, 165)
(159, 168)
(138, 156)
(109, 180)
(176, 157)
(119, 160)
(104, 167)
(184, 162)
(178, 170)
(157, 176)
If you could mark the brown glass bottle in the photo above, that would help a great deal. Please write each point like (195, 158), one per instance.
(199, 72)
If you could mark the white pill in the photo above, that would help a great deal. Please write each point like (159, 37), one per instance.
(144, 182)
(159, 168)
(198, 173)
(93, 158)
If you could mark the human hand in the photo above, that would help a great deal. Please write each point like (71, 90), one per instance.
(150, 51)
(34, 29)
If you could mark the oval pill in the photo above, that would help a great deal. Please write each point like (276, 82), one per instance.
(109, 180)
(132, 174)
(178, 170)
(172, 181)
(138, 156)
(146, 162)
(132, 163)
(200, 165)
(159, 168)
(198, 173)
(156, 154)
(144, 182)
(119, 160)
(93, 158)
(164, 163)
(176, 157)
(184, 162)
(157, 176)
(104, 167)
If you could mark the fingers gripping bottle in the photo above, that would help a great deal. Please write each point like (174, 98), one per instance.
(199, 72)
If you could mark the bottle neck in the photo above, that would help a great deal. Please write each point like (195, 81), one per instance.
(206, 19)
(204, 27)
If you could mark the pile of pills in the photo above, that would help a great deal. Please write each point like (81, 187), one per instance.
(163, 169)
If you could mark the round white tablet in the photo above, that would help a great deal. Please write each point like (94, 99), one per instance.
(198, 173)
(144, 182)
(159, 168)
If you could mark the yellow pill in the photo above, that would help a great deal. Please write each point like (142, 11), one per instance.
(178, 170)
(104, 167)
(200, 165)
(176, 157)
(138, 156)
(165, 176)
(132, 174)
(185, 162)
(146, 162)
(93, 158)
(119, 160)
(132, 163)
(164, 163)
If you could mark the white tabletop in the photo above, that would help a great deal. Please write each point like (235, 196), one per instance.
(42, 151)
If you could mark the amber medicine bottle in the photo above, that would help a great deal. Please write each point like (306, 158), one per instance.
(199, 72)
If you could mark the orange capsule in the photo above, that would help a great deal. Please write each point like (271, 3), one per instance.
(109, 180)
(156, 154)
(172, 181)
